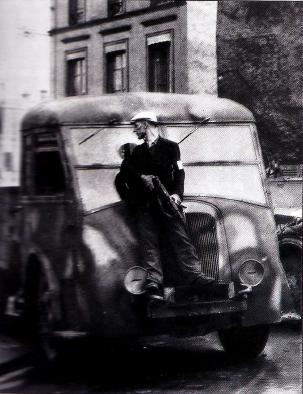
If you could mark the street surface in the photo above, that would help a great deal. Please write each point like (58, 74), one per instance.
(182, 366)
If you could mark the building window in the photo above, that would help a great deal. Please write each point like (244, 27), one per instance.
(116, 7)
(116, 72)
(76, 73)
(158, 70)
(116, 67)
(159, 60)
(76, 11)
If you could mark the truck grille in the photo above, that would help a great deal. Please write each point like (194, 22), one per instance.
(202, 229)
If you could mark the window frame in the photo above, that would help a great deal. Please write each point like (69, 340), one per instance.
(171, 64)
(112, 47)
(83, 54)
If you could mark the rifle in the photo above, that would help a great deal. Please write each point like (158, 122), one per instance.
(167, 204)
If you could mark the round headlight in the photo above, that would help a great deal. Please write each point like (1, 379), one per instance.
(135, 280)
(251, 273)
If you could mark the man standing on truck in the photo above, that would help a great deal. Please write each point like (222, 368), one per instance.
(159, 159)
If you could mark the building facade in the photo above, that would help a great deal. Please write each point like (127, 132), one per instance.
(108, 46)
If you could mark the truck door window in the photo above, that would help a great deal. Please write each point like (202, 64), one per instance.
(47, 168)
(49, 175)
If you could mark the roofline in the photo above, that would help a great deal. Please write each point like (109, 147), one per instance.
(126, 15)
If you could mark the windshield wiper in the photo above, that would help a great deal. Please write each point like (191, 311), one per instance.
(194, 129)
(110, 123)
(114, 121)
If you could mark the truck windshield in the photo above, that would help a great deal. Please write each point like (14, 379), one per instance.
(219, 160)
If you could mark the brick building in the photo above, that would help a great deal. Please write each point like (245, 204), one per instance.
(143, 45)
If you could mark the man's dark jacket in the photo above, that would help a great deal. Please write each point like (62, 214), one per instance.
(161, 159)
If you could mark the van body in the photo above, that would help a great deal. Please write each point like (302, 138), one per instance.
(78, 241)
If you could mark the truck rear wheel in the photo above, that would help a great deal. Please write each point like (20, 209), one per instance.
(291, 257)
(244, 342)
(48, 346)
(40, 316)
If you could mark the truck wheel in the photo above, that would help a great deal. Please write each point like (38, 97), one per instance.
(39, 317)
(49, 347)
(244, 342)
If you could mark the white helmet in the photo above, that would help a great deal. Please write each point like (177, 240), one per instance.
(145, 115)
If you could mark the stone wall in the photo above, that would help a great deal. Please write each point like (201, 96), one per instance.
(259, 50)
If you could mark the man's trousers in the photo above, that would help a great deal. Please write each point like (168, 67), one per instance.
(155, 228)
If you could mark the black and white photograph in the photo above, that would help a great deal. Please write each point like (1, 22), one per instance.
(151, 164)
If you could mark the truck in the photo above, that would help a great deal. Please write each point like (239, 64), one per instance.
(76, 270)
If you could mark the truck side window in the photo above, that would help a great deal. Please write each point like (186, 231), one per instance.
(45, 172)
(49, 175)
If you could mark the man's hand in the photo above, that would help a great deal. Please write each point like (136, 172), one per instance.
(176, 199)
(148, 181)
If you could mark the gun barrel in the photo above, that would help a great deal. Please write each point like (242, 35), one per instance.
(170, 207)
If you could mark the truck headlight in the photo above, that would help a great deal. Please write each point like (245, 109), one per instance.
(251, 272)
(135, 280)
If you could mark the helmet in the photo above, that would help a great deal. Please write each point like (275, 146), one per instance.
(145, 115)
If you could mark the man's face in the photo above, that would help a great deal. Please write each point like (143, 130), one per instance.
(140, 130)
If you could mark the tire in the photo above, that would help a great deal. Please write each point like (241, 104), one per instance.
(244, 342)
(49, 349)
(40, 318)
(291, 258)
